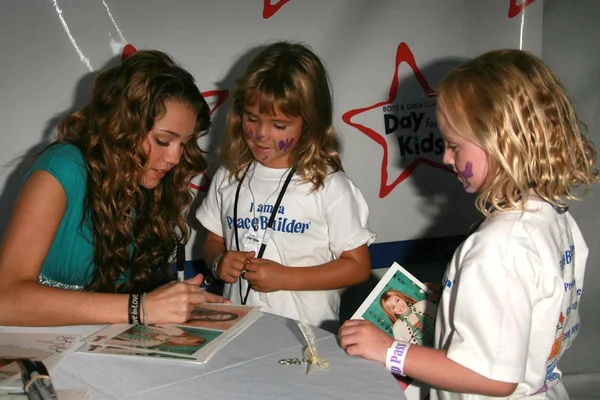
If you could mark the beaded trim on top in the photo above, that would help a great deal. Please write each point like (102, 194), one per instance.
(49, 282)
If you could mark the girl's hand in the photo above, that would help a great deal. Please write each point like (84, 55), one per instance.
(173, 303)
(232, 264)
(265, 275)
(362, 338)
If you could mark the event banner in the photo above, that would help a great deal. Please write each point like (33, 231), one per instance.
(384, 59)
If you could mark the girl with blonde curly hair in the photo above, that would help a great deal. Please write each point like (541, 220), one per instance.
(102, 210)
(508, 310)
(287, 228)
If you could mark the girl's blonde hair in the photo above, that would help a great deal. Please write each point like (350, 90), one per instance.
(291, 78)
(394, 293)
(511, 105)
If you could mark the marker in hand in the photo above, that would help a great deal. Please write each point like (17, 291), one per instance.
(180, 262)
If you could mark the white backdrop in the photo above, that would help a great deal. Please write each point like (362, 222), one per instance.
(382, 56)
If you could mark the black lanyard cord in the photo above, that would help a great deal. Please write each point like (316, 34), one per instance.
(235, 205)
(263, 244)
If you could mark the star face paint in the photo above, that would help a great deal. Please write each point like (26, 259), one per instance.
(285, 145)
(271, 137)
(468, 160)
(466, 174)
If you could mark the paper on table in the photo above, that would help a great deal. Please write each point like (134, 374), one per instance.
(211, 327)
(64, 394)
(45, 347)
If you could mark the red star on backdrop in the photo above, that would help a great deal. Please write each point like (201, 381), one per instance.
(403, 54)
(514, 9)
(270, 9)
(221, 95)
(127, 51)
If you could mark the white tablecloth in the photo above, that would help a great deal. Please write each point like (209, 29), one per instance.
(246, 368)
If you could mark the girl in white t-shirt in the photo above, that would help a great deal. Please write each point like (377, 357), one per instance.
(508, 309)
(287, 229)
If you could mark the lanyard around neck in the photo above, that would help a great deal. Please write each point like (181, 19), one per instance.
(267, 234)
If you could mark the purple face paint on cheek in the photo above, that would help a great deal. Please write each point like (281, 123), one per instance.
(466, 173)
(285, 145)
(249, 133)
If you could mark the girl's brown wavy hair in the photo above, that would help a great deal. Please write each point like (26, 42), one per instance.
(135, 230)
(292, 78)
(510, 104)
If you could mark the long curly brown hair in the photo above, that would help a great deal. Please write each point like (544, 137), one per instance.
(135, 230)
(291, 77)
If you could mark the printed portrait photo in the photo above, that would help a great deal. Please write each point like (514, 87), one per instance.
(212, 316)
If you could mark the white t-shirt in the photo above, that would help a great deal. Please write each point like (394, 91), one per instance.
(509, 308)
(310, 229)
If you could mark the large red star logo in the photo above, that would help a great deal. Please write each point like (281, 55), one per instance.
(403, 54)
(514, 9)
(270, 9)
(201, 182)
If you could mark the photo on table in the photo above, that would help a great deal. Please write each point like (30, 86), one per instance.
(217, 316)
(161, 339)
(122, 351)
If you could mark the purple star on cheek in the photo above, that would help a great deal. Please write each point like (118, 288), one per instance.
(248, 133)
(468, 171)
(285, 145)
(466, 174)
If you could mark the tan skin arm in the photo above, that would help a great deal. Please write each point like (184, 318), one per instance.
(353, 267)
(430, 366)
(36, 217)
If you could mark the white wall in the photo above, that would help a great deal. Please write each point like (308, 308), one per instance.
(571, 39)
(51, 51)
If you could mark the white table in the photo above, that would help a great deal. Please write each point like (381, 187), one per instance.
(246, 368)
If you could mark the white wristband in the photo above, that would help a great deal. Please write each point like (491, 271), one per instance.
(394, 359)
(215, 265)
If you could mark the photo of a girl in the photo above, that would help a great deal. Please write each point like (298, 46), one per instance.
(412, 320)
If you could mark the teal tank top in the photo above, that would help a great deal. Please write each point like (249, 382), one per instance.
(69, 263)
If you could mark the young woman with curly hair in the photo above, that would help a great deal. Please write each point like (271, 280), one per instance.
(102, 210)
